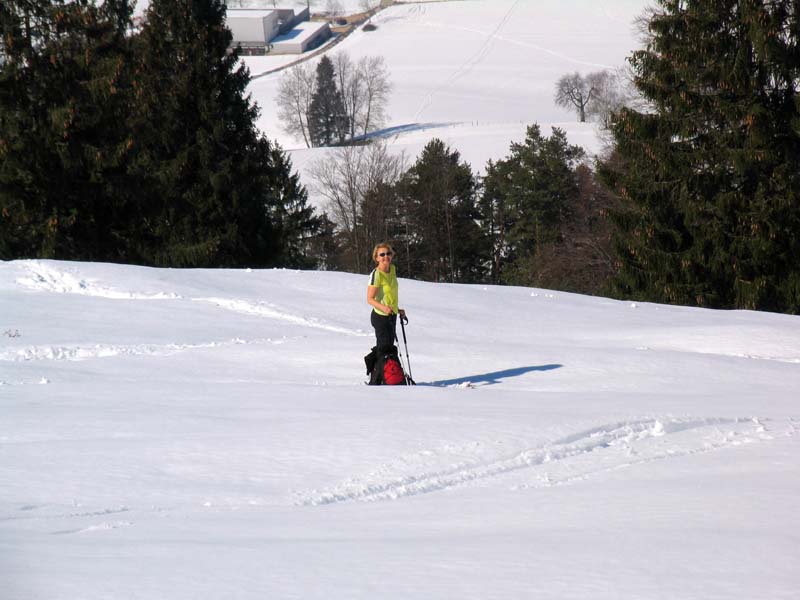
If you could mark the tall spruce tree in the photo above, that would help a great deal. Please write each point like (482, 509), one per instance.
(64, 91)
(526, 200)
(212, 183)
(296, 222)
(328, 122)
(710, 175)
(442, 239)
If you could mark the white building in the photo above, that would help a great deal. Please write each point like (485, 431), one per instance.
(252, 28)
(275, 31)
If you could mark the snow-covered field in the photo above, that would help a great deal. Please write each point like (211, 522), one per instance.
(191, 434)
(475, 73)
(185, 434)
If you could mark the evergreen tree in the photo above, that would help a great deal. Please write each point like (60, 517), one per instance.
(710, 175)
(64, 92)
(212, 183)
(294, 218)
(442, 238)
(326, 246)
(381, 218)
(328, 122)
(526, 201)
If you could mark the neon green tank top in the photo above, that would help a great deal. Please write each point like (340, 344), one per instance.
(387, 288)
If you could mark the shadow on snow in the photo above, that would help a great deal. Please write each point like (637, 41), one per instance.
(492, 378)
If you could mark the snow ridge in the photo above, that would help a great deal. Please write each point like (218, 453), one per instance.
(87, 352)
(47, 278)
(50, 279)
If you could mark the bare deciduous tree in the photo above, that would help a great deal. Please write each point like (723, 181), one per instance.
(614, 90)
(575, 91)
(606, 96)
(344, 178)
(375, 77)
(364, 88)
(597, 95)
(295, 92)
(351, 86)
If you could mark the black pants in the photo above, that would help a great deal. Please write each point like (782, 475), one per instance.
(384, 329)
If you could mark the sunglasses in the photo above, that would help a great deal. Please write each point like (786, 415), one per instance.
(382, 254)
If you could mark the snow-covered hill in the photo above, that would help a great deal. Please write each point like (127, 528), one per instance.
(206, 434)
(476, 73)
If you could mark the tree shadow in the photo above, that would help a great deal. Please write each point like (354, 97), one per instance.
(492, 378)
(406, 128)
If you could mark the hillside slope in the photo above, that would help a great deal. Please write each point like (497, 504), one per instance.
(475, 73)
(206, 433)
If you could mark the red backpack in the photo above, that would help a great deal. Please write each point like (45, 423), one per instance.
(393, 372)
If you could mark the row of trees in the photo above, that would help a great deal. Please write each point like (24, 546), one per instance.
(338, 101)
(709, 173)
(536, 218)
(137, 146)
(705, 155)
(699, 190)
(140, 146)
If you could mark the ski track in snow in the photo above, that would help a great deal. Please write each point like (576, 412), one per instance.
(483, 51)
(40, 381)
(104, 526)
(48, 279)
(563, 461)
(784, 359)
(264, 309)
(78, 353)
(35, 512)
(471, 62)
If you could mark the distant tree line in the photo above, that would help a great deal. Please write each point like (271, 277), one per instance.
(138, 145)
(536, 217)
(696, 202)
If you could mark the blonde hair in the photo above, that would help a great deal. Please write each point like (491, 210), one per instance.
(377, 247)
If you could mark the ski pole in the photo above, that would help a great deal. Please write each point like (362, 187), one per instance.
(403, 321)
(402, 360)
(406, 376)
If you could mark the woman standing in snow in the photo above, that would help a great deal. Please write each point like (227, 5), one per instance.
(382, 296)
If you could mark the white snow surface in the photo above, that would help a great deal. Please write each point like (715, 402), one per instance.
(189, 434)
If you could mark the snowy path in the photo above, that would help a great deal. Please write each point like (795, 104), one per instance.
(574, 458)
